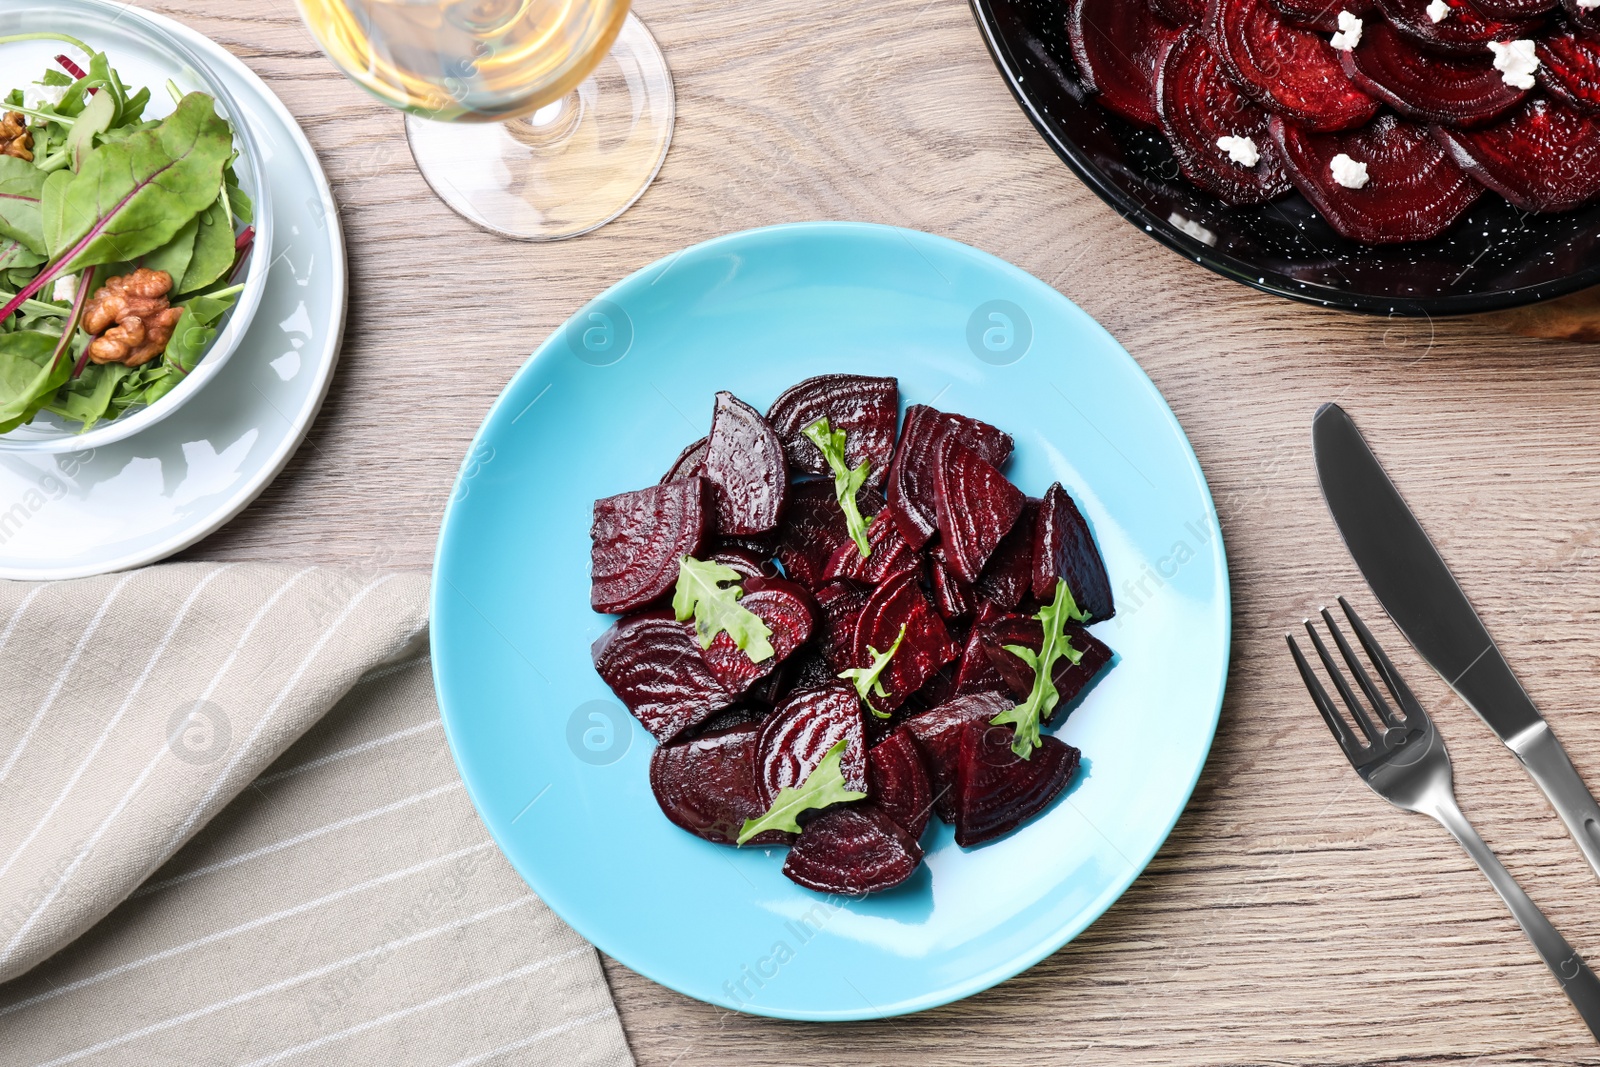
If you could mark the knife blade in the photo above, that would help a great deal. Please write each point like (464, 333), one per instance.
(1422, 597)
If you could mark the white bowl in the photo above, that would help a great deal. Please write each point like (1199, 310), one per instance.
(145, 55)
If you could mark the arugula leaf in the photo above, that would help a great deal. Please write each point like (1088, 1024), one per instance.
(868, 680)
(1044, 696)
(715, 608)
(28, 375)
(213, 251)
(822, 788)
(87, 398)
(846, 482)
(21, 186)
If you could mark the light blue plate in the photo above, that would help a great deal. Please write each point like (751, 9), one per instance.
(561, 774)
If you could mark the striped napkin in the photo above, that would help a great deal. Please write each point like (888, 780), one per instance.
(231, 832)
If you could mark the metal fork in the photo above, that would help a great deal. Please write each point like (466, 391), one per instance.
(1403, 759)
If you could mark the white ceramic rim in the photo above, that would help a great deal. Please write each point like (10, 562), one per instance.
(243, 313)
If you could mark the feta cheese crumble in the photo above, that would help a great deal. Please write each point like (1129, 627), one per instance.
(1348, 173)
(1242, 150)
(66, 288)
(1349, 34)
(1438, 11)
(1516, 62)
(42, 96)
(1588, 4)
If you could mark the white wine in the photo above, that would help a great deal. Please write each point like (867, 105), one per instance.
(466, 60)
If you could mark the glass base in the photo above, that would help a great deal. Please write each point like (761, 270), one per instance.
(570, 167)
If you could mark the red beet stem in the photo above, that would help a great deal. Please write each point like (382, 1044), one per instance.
(71, 68)
(242, 246)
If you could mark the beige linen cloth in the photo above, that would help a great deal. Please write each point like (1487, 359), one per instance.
(231, 833)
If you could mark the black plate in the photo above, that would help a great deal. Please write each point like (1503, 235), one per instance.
(1496, 257)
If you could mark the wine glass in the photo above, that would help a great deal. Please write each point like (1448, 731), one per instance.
(536, 119)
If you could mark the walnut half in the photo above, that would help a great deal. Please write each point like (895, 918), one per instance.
(130, 319)
(15, 138)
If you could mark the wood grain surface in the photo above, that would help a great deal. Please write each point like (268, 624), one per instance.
(1292, 918)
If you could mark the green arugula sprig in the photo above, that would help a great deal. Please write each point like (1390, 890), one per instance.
(847, 482)
(868, 680)
(822, 788)
(705, 595)
(1044, 696)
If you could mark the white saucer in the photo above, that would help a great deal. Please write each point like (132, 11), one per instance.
(142, 499)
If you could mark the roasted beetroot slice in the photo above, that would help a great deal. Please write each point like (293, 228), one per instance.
(1322, 15)
(638, 539)
(1291, 69)
(915, 466)
(997, 790)
(1515, 10)
(1063, 547)
(746, 563)
(787, 609)
(1008, 575)
(1414, 191)
(890, 553)
(975, 673)
(1464, 30)
(938, 735)
(745, 465)
(1070, 678)
(796, 737)
(708, 785)
(1199, 104)
(814, 528)
(1569, 69)
(1544, 157)
(977, 507)
(855, 849)
(653, 664)
(1433, 87)
(691, 462)
(841, 602)
(899, 601)
(899, 781)
(866, 409)
(1117, 45)
(952, 596)
(1180, 12)
(1586, 20)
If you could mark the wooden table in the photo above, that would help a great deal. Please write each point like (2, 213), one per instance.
(1292, 918)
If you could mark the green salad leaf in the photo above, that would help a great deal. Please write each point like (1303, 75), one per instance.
(868, 680)
(28, 375)
(1043, 697)
(213, 251)
(21, 215)
(822, 788)
(847, 482)
(704, 595)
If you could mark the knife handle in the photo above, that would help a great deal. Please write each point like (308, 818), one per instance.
(1547, 764)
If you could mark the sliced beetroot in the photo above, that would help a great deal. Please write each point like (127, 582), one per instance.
(899, 602)
(787, 609)
(1459, 90)
(691, 462)
(1515, 10)
(890, 553)
(1200, 104)
(952, 596)
(1180, 12)
(653, 664)
(866, 409)
(1117, 45)
(841, 602)
(1070, 678)
(1465, 29)
(1414, 191)
(808, 669)
(854, 849)
(915, 468)
(1008, 576)
(745, 465)
(1322, 15)
(796, 737)
(1544, 157)
(976, 508)
(708, 785)
(997, 790)
(1063, 547)
(1569, 69)
(1585, 20)
(746, 563)
(1291, 69)
(727, 719)
(938, 734)
(814, 528)
(975, 672)
(638, 539)
(899, 781)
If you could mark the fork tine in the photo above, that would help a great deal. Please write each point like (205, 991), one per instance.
(1375, 698)
(1319, 696)
(1415, 716)
(1357, 709)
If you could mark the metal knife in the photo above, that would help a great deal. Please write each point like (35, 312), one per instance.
(1420, 594)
